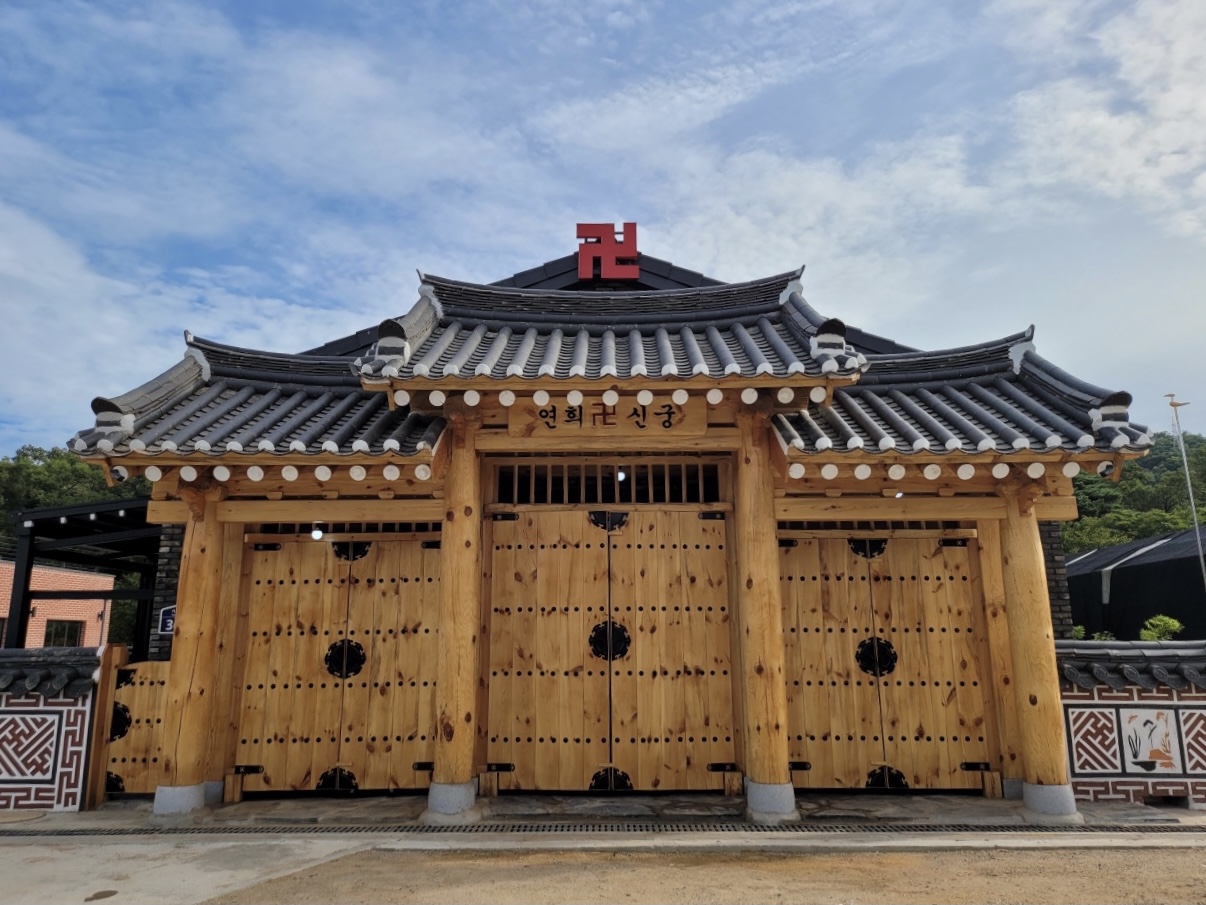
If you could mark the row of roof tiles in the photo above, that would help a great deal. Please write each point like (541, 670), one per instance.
(750, 329)
(993, 397)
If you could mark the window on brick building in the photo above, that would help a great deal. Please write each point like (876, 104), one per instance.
(62, 633)
(3, 631)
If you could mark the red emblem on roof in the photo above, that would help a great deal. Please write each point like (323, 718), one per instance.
(617, 258)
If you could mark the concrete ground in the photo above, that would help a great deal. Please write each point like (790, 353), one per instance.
(325, 849)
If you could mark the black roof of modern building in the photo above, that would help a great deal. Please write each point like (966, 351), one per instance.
(1146, 551)
(686, 329)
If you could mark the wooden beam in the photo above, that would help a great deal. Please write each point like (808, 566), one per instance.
(167, 512)
(855, 509)
(912, 508)
(268, 511)
(716, 439)
(1056, 509)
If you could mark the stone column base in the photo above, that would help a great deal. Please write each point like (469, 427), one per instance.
(451, 804)
(770, 804)
(181, 799)
(1050, 804)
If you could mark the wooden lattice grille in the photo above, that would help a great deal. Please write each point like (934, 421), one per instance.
(612, 481)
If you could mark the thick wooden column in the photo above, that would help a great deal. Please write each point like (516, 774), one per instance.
(452, 794)
(761, 684)
(1045, 787)
(192, 684)
(1001, 681)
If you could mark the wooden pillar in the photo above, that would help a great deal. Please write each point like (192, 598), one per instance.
(452, 795)
(1045, 787)
(192, 686)
(996, 622)
(232, 639)
(759, 624)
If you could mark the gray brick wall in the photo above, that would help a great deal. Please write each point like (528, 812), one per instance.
(166, 578)
(1057, 579)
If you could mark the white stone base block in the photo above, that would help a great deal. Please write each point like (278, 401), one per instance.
(770, 803)
(451, 804)
(1050, 804)
(180, 799)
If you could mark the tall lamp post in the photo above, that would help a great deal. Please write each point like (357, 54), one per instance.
(1193, 509)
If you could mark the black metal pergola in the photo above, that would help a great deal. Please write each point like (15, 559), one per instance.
(112, 537)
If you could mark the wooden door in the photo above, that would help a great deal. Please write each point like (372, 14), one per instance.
(609, 651)
(549, 714)
(884, 651)
(671, 689)
(388, 711)
(339, 675)
(296, 602)
(834, 718)
(934, 706)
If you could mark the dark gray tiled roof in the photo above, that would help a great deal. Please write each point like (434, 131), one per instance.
(754, 329)
(562, 273)
(221, 399)
(49, 671)
(1116, 664)
(997, 397)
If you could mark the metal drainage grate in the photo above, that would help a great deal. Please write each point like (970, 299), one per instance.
(598, 829)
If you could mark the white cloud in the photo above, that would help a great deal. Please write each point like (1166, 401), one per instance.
(1139, 134)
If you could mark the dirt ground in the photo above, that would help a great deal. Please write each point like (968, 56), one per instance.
(1051, 876)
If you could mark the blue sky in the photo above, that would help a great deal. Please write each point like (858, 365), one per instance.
(272, 174)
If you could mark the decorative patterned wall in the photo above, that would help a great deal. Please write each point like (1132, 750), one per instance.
(43, 751)
(1134, 743)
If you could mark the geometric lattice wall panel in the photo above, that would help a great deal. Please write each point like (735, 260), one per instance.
(1094, 740)
(43, 751)
(1193, 731)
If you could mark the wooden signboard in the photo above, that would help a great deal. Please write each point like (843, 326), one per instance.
(593, 418)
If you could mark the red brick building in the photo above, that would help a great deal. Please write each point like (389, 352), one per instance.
(62, 623)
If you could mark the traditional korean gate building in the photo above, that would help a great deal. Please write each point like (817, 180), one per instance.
(611, 524)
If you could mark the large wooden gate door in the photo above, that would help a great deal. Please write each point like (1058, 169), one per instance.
(884, 652)
(672, 698)
(934, 710)
(388, 719)
(339, 676)
(609, 651)
(295, 593)
(549, 714)
(833, 707)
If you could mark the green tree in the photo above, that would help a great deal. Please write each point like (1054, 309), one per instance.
(1150, 498)
(34, 477)
(1161, 628)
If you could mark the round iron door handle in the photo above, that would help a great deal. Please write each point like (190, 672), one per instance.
(875, 656)
(344, 659)
(609, 640)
